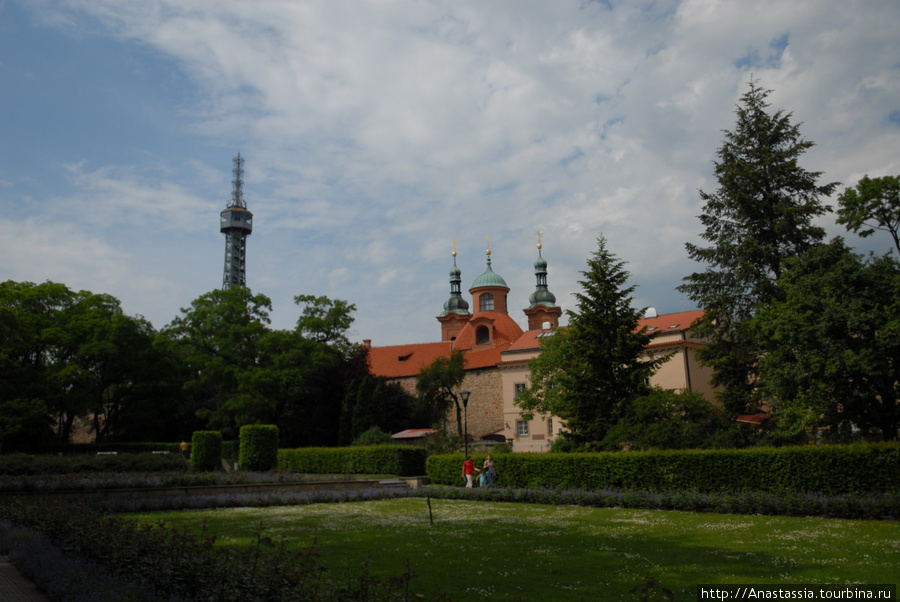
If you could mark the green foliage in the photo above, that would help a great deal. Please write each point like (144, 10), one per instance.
(325, 320)
(762, 213)
(373, 436)
(206, 450)
(437, 388)
(22, 464)
(666, 420)
(71, 355)
(259, 447)
(156, 562)
(402, 460)
(832, 342)
(589, 374)
(219, 342)
(830, 469)
(874, 204)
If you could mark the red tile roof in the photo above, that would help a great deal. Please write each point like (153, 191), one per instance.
(506, 331)
(672, 322)
(398, 361)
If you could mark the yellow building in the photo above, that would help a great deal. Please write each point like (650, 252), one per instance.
(497, 351)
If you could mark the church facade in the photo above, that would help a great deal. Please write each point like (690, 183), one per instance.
(497, 352)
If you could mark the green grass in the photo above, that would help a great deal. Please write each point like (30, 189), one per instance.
(503, 551)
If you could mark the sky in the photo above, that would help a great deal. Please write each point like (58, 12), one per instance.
(377, 133)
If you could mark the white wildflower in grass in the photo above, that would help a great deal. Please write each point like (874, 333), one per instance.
(535, 551)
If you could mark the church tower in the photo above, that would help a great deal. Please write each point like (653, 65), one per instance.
(456, 309)
(490, 325)
(543, 308)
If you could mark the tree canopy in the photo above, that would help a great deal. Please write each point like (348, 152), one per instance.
(874, 204)
(589, 373)
(832, 344)
(437, 389)
(760, 215)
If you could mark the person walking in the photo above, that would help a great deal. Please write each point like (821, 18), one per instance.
(468, 472)
(489, 470)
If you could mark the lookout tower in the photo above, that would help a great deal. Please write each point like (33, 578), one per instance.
(236, 225)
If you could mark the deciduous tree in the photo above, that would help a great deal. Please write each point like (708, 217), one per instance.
(874, 204)
(437, 389)
(832, 343)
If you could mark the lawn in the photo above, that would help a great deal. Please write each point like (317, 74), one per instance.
(502, 551)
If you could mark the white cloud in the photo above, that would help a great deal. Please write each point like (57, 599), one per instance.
(377, 132)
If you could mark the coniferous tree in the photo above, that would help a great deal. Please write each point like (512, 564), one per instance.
(589, 374)
(761, 214)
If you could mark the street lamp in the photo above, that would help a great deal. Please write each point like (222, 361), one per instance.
(465, 397)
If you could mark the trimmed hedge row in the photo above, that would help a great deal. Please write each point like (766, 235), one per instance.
(144, 447)
(400, 460)
(830, 470)
(22, 464)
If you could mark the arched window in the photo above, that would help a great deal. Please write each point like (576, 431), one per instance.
(486, 302)
(482, 335)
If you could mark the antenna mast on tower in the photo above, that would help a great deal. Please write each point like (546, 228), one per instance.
(236, 225)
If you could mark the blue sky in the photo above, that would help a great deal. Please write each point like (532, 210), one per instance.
(376, 133)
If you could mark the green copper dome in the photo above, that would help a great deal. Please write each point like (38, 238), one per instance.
(489, 278)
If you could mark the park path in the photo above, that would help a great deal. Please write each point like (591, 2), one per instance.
(14, 587)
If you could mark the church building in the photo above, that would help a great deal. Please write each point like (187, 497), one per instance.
(497, 351)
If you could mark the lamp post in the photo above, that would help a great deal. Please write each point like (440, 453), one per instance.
(465, 397)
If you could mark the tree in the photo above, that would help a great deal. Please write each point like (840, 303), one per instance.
(589, 374)
(325, 320)
(872, 205)
(667, 420)
(761, 215)
(437, 387)
(832, 344)
(219, 340)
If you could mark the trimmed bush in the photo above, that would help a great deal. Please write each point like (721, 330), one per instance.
(206, 450)
(401, 460)
(259, 447)
(829, 470)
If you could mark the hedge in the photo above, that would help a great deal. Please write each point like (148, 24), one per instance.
(830, 470)
(400, 460)
(140, 447)
(206, 450)
(259, 447)
(22, 464)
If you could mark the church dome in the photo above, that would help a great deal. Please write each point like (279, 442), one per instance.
(489, 277)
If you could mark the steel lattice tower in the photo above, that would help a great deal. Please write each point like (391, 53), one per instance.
(237, 224)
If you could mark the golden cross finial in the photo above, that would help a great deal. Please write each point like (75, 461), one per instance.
(539, 234)
(454, 247)
(488, 241)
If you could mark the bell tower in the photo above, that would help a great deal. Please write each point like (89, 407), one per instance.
(456, 309)
(543, 308)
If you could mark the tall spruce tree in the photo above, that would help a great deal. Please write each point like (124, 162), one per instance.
(589, 373)
(761, 214)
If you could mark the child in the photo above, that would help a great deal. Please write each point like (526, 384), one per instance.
(482, 479)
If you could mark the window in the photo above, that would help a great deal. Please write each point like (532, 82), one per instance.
(486, 302)
(520, 387)
(482, 335)
(522, 428)
(550, 427)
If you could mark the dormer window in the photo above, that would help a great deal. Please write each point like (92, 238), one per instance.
(482, 335)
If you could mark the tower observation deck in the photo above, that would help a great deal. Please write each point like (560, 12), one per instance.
(236, 225)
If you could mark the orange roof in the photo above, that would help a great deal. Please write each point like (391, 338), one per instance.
(672, 322)
(397, 361)
(506, 331)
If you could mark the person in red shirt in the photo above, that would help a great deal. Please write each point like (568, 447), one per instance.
(469, 471)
